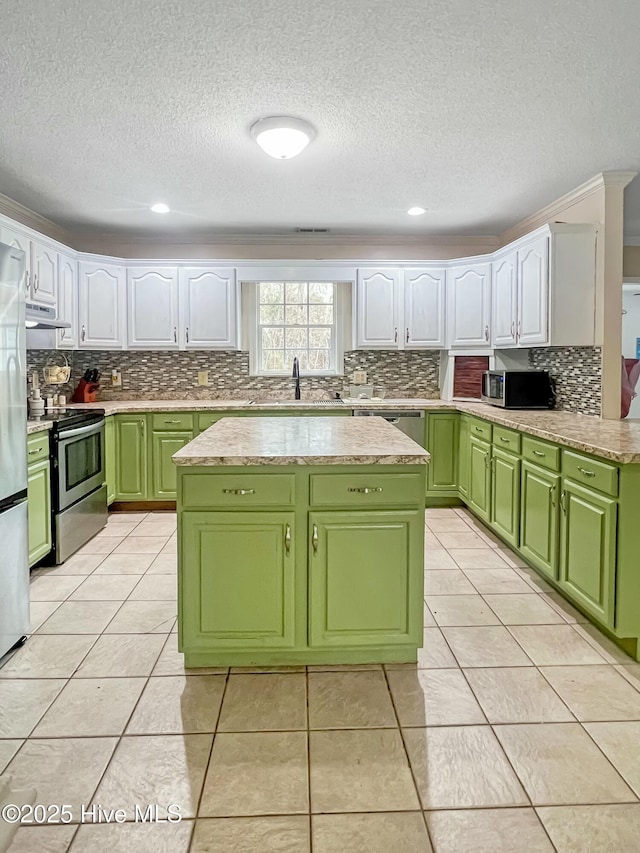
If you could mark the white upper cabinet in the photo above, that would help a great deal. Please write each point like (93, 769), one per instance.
(67, 302)
(504, 286)
(208, 308)
(102, 309)
(152, 308)
(424, 308)
(14, 238)
(469, 303)
(44, 274)
(533, 293)
(377, 308)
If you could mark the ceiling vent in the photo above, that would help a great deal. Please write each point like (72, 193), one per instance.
(312, 230)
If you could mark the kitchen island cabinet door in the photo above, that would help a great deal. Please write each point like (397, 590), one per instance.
(442, 444)
(588, 550)
(237, 580)
(39, 510)
(131, 456)
(505, 496)
(365, 579)
(463, 456)
(110, 458)
(539, 518)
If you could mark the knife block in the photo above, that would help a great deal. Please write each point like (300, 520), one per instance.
(85, 392)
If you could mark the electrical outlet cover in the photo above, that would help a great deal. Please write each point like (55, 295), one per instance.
(359, 377)
(203, 377)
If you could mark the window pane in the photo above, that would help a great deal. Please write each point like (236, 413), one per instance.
(320, 338)
(273, 359)
(271, 291)
(296, 291)
(319, 359)
(320, 291)
(320, 315)
(271, 315)
(273, 338)
(296, 315)
(296, 339)
(301, 354)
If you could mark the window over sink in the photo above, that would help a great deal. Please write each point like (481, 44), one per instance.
(296, 319)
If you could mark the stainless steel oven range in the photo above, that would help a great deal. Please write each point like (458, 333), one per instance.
(78, 488)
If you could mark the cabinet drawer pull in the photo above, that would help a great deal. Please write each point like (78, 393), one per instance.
(287, 539)
(407, 335)
(506, 440)
(486, 333)
(35, 283)
(586, 473)
(366, 490)
(187, 333)
(175, 335)
(513, 329)
(563, 502)
(27, 281)
(479, 429)
(83, 334)
(172, 422)
(538, 453)
(314, 538)
(37, 450)
(238, 491)
(395, 334)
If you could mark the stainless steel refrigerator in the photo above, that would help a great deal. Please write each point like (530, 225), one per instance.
(14, 567)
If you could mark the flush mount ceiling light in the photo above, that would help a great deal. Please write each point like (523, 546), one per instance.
(416, 211)
(160, 207)
(282, 137)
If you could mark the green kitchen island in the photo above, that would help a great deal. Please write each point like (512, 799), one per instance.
(300, 541)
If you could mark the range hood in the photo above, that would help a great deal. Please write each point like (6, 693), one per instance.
(43, 317)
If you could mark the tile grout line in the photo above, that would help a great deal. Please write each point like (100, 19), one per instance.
(308, 734)
(408, 759)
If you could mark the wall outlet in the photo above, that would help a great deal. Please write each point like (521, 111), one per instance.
(116, 378)
(203, 377)
(359, 377)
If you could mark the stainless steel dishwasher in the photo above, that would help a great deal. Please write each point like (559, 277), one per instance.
(408, 421)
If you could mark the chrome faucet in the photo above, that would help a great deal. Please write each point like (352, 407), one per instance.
(296, 376)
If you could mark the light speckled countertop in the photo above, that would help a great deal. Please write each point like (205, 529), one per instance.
(615, 440)
(301, 441)
(38, 426)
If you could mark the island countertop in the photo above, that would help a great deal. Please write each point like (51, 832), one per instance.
(302, 441)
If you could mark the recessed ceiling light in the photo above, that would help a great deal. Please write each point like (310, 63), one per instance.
(282, 137)
(161, 207)
(416, 211)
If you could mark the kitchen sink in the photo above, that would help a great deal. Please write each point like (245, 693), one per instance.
(305, 403)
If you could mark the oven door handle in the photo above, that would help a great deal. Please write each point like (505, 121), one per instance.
(85, 430)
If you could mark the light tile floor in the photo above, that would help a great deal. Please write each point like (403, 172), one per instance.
(518, 730)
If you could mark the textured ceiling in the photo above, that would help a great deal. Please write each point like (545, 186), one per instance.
(480, 110)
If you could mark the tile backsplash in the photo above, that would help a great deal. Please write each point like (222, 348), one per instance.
(174, 375)
(577, 372)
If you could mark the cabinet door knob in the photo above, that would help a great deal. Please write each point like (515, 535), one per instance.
(287, 539)
(314, 539)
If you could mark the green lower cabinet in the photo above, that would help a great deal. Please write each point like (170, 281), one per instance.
(39, 510)
(163, 446)
(539, 498)
(442, 444)
(463, 456)
(110, 458)
(362, 591)
(505, 496)
(131, 458)
(479, 488)
(588, 550)
(237, 580)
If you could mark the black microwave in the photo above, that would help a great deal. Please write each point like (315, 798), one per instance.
(518, 389)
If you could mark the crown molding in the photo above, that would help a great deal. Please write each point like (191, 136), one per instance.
(19, 213)
(546, 214)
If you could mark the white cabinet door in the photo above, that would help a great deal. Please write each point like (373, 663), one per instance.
(152, 307)
(533, 293)
(424, 308)
(44, 274)
(377, 308)
(504, 294)
(67, 303)
(101, 306)
(208, 308)
(469, 297)
(19, 241)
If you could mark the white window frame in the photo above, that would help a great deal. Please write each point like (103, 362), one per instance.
(337, 338)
